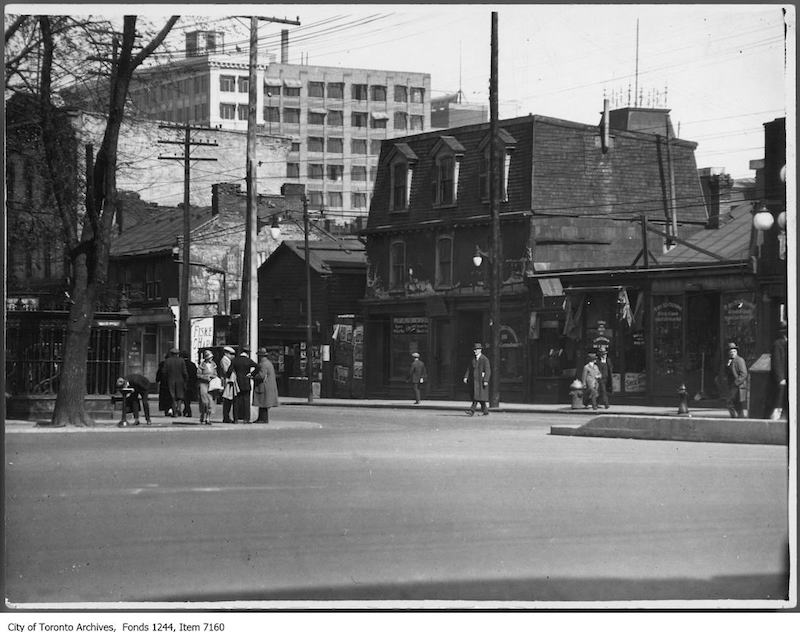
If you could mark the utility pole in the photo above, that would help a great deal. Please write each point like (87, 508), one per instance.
(309, 353)
(248, 331)
(496, 258)
(184, 330)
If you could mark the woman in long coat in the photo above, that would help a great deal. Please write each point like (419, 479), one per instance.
(164, 398)
(265, 389)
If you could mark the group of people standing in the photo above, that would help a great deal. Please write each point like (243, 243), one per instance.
(181, 381)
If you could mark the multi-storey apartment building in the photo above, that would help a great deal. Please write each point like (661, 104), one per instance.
(336, 117)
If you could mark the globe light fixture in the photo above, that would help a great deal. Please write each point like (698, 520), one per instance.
(763, 219)
(782, 220)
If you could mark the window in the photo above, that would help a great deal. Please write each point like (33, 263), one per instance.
(483, 171)
(483, 175)
(295, 146)
(335, 172)
(242, 109)
(377, 93)
(292, 169)
(316, 118)
(358, 91)
(378, 122)
(315, 171)
(291, 115)
(399, 201)
(444, 261)
(316, 143)
(417, 122)
(334, 199)
(358, 200)
(227, 83)
(358, 173)
(444, 190)
(272, 114)
(375, 146)
(358, 146)
(335, 145)
(227, 111)
(244, 84)
(397, 265)
(315, 199)
(152, 284)
(316, 88)
(335, 118)
(358, 119)
(417, 95)
(400, 120)
(335, 90)
(290, 91)
(400, 94)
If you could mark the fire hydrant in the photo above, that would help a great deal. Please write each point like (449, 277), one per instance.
(576, 394)
(683, 405)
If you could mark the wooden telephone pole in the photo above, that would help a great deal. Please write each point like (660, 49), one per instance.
(496, 258)
(184, 331)
(248, 331)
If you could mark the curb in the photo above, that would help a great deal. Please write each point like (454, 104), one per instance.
(705, 429)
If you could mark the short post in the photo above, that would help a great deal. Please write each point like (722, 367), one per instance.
(683, 401)
(123, 422)
(576, 394)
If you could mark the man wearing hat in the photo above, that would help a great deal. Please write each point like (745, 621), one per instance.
(265, 388)
(735, 371)
(778, 404)
(243, 367)
(227, 394)
(591, 378)
(135, 387)
(176, 377)
(477, 379)
(417, 374)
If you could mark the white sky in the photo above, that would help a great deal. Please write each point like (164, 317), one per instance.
(722, 65)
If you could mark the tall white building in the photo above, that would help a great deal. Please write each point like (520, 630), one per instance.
(335, 117)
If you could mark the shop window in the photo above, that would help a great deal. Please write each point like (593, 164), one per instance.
(739, 323)
(397, 265)
(444, 261)
(667, 342)
(409, 334)
(511, 359)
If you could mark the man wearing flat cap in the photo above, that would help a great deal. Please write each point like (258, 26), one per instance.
(135, 387)
(417, 374)
(477, 379)
(735, 371)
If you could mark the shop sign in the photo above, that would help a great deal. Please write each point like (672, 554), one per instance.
(635, 382)
(668, 313)
(409, 326)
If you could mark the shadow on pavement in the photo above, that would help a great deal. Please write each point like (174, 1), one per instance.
(738, 587)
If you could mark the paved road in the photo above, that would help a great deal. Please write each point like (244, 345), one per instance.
(378, 504)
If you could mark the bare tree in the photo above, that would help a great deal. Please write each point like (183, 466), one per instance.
(87, 231)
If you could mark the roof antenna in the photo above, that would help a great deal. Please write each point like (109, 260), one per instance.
(460, 93)
(636, 88)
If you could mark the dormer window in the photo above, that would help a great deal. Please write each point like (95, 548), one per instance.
(447, 155)
(401, 161)
(508, 143)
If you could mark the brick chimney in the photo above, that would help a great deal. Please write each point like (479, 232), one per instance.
(285, 46)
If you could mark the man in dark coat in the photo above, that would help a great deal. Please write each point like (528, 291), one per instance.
(244, 367)
(778, 372)
(265, 389)
(190, 394)
(176, 378)
(417, 374)
(140, 386)
(736, 380)
(606, 370)
(477, 378)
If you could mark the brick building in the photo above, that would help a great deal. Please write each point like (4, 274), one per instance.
(573, 198)
(335, 118)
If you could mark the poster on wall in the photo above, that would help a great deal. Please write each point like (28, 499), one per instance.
(202, 335)
(667, 337)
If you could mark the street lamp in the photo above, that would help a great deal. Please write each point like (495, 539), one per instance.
(275, 231)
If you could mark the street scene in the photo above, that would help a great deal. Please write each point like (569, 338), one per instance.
(440, 306)
(336, 503)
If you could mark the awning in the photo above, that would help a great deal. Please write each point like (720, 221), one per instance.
(293, 83)
(380, 116)
(318, 110)
(273, 82)
(551, 287)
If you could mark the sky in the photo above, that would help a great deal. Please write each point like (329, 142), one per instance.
(719, 68)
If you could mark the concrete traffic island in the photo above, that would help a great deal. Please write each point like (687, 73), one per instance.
(681, 428)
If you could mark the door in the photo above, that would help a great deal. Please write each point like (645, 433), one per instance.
(702, 342)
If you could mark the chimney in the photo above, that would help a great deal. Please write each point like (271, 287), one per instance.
(606, 126)
(285, 46)
(716, 186)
